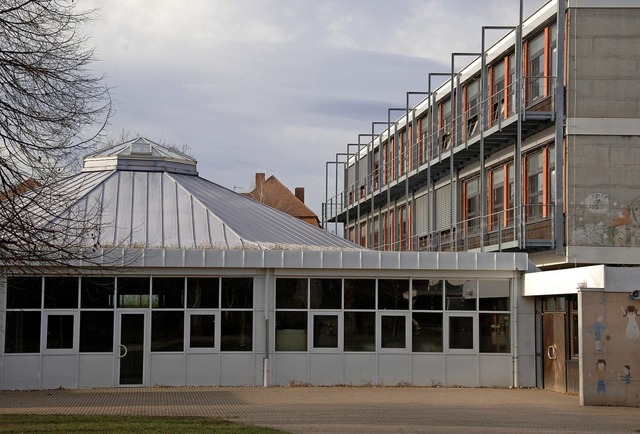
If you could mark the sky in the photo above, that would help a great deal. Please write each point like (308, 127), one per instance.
(276, 86)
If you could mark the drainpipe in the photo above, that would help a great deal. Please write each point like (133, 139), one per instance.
(514, 316)
(265, 360)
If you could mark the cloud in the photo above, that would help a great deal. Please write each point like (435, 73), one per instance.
(276, 86)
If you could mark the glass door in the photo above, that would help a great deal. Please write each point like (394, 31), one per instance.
(131, 348)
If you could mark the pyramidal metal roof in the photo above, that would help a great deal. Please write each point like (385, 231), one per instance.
(145, 195)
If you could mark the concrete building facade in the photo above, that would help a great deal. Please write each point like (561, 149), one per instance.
(529, 145)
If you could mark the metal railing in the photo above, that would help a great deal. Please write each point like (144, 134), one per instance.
(440, 140)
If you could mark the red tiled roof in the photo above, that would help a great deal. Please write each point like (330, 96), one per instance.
(275, 194)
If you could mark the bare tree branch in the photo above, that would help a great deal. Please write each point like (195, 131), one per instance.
(52, 108)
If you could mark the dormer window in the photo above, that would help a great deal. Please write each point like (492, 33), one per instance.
(140, 147)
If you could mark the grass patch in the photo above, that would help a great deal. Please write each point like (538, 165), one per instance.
(28, 423)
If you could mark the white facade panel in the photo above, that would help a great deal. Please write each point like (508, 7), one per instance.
(59, 371)
(360, 369)
(167, 369)
(202, 369)
(21, 372)
(462, 370)
(492, 368)
(289, 369)
(428, 370)
(325, 369)
(96, 370)
(394, 369)
(237, 369)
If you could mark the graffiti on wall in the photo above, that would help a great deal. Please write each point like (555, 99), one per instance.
(600, 222)
(612, 349)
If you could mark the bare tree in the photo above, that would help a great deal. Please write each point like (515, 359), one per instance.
(52, 107)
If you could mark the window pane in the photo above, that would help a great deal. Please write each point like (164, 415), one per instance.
(24, 292)
(427, 295)
(291, 293)
(326, 293)
(96, 332)
(359, 294)
(59, 332)
(427, 332)
(495, 335)
(237, 292)
(22, 332)
(393, 331)
(461, 295)
(494, 295)
(97, 292)
(359, 331)
(167, 331)
(393, 294)
(133, 292)
(203, 331)
(167, 292)
(461, 332)
(325, 331)
(291, 331)
(236, 331)
(61, 292)
(202, 292)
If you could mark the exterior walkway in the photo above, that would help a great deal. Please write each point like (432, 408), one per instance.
(343, 409)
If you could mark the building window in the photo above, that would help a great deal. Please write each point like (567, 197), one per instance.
(497, 97)
(460, 295)
(393, 294)
(427, 332)
(535, 185)
(393, 329)
(461, 332)
(472, 205)
(96, 331)
(203, 292)
(202, 330)
(22, 332)
(445, 133)
(494, 304)
(236, 328)
(536, 68)
(359, 331)
(325, 331)
(359, 324)
(59, 332)
(497, 198)
(326, 293)
(24, 292)
(291, 325)
(167, 330)
(97, 292)
(167, 292)
(472, 108)
(61, 292)
(133, 292)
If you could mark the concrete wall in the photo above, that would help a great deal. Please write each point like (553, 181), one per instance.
(610, 348)
(603, 133)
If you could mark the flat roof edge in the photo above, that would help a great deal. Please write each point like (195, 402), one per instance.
(310, 259)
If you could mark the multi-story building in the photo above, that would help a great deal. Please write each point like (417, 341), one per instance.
(533, 146)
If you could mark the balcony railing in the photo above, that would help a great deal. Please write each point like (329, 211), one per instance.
(494, 232)
(440, 140)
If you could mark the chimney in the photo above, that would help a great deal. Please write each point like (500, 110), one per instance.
(259, 179)
(300, 194)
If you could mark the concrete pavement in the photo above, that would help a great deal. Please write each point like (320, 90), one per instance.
(343, 409)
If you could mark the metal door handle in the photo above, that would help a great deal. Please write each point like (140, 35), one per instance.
(552, 353)
(121, 354)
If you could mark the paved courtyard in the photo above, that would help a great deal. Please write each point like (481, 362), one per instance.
(343, 409)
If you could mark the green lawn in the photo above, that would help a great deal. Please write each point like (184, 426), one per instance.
(23, 423)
